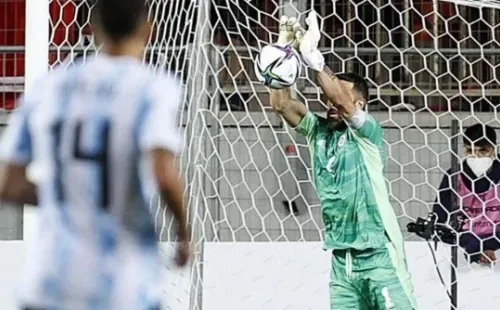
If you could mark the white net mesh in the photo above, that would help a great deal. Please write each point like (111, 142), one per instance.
(255, 216)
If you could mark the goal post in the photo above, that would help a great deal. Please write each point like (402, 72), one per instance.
(256, 219)
(494, 4)
(36, 57)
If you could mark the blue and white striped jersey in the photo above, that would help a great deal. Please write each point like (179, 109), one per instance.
(89, 128)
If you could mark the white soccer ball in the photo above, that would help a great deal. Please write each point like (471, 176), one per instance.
(277, 66)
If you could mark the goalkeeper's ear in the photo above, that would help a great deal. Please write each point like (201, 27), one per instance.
(361, 103)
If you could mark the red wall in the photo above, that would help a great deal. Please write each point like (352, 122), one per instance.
(12, 32)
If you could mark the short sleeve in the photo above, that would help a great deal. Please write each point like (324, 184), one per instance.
(159, 126)
(366, 126)
(308, 125)
(16, 146)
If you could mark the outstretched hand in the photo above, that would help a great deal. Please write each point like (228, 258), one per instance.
(288, 31)
(309, 39)
(308, 42)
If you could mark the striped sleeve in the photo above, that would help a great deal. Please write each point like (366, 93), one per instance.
(160, 110)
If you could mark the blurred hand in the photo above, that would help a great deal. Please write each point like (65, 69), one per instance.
(487, 258)
(183, 253)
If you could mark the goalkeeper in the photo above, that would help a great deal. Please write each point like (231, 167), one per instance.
(368, 264)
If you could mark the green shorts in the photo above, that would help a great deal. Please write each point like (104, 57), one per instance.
(373, 279)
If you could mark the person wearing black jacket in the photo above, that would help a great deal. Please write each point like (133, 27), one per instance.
(477, 195)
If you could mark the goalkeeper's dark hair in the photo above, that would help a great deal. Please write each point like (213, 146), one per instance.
(360, 83)
(119, 19)
(480, 135)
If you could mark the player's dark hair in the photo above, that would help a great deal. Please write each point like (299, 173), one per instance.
(481, 135)
(360, 84)
(119, 19)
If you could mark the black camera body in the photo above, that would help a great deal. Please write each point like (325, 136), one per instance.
(430, 229)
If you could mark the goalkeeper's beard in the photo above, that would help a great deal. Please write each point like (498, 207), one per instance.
(335, 120)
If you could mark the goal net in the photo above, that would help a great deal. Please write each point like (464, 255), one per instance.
(256, 219)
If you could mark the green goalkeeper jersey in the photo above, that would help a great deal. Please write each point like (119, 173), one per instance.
(348, 170)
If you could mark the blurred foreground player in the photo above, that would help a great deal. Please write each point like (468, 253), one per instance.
(368, 263)
(106, 137)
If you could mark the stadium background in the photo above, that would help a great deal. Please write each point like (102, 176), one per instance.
(427, 64)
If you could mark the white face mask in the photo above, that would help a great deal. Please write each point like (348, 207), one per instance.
(479, 165)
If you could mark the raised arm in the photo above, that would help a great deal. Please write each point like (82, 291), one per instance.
(337, 93)
(290, 109)
(332, 87)
(347, 92)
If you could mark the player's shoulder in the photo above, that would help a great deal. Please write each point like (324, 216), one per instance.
(41, 87)
(372, 119)
(164, 88)
(376, 124)
(364, 127)
(49, 77)
(164, 82)
(319, 124)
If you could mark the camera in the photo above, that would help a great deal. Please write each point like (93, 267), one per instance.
(430, 229)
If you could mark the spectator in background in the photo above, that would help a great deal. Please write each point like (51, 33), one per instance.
(478, 190)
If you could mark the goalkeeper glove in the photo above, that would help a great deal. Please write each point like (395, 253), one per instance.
(288, 30)
(308, 43)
